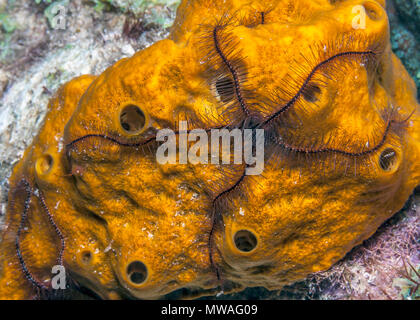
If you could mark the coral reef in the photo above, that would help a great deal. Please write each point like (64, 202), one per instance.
(410, 11)
(405, 26)
(91, 175)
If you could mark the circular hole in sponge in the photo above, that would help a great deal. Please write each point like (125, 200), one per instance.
(86, 256)
(373, 10)
(311, 93)
(388, 159)
(132, 119)
(44, 164)
(225, 89)
(245, 240)
(137, 272)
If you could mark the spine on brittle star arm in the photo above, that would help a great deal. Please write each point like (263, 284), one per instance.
(338, 151)
(216, 216)
(28, 275)
(210, 243)
(230, 189)
(56, 228)
(111, 139)
(70, 145)
(307, 80)
(232, 70)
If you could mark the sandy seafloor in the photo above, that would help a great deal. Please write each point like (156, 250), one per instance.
(35, 59)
